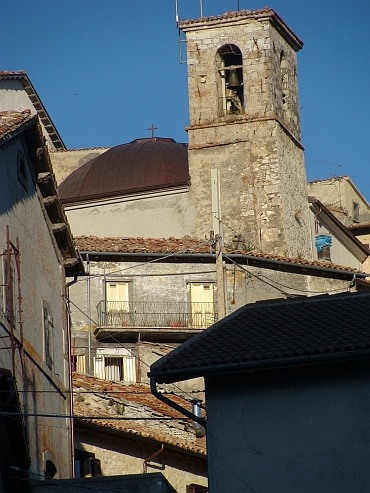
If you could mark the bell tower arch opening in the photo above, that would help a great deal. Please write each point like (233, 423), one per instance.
(229, 61)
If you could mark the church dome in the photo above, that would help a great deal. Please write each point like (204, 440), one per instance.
(142, 165)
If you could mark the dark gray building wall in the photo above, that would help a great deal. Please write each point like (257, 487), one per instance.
(295, 430)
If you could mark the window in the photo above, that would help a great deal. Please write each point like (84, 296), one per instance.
(323, 244)
(86, 466)
(356, 211)
(202, 304)
(48, 334)
(230, 68)
(117, 364)
(79, 363)
(117, 303)
(196, 488)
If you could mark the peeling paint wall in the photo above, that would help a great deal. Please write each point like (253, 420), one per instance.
(43, 387)
(155, 215)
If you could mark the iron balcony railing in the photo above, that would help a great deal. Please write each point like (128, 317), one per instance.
(156, 314)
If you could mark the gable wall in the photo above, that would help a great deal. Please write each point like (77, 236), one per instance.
(299, 429)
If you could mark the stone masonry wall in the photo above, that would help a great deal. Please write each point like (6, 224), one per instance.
(258, 153)
(122, 456)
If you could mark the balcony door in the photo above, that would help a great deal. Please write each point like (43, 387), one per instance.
(117, 302)
(202, 304)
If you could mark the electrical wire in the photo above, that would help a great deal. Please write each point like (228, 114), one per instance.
(69, 416)
(111, 337)
(269, 282)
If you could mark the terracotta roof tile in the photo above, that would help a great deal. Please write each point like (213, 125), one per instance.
(355, 226)
(11, 120)
(272, 333)
(136, 394)
(265, 12)
(187, 245)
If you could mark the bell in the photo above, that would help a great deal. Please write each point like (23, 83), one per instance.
(233, 82)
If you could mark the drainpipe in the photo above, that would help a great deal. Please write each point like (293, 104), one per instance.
(198, 428)
(70, 373)
(88, 317)
(174, 405)
(145, 465)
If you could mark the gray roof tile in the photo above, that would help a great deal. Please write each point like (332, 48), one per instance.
(272, 333)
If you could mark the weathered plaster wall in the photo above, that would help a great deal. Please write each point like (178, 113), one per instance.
(155, 215)
(41, 279)
(65, 162)
(122, 456)
(297, 429)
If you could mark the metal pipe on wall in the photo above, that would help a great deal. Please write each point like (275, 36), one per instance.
(70, 385)
(88, 317)
(145, 465)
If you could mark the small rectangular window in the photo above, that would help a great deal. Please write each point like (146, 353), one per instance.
(324, 254)
(86, 465)
(356, 211)
(116, 365)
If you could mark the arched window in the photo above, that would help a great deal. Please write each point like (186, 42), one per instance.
(230, 68)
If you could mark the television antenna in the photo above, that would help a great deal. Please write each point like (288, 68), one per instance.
(329, 162)
(181, 38)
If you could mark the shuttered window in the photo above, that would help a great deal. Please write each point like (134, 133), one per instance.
(202, 304)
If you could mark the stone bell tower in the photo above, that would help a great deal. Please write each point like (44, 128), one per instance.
(244, 122)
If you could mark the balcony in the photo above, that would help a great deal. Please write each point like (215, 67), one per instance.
(152, 320)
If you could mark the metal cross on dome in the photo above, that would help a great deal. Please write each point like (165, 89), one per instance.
(152, 128)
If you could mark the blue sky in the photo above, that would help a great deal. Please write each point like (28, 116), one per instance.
(106, 71)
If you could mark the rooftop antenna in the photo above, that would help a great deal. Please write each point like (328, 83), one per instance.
(336, 177)
(200, 8)
(329, 162)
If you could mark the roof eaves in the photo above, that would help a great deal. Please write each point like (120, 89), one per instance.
(137, 435)
(177, 375)
(262, 14)
(37, 103)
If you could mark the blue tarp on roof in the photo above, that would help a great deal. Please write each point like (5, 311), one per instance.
(323, 241)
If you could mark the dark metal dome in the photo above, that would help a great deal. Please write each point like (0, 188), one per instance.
(141, 165)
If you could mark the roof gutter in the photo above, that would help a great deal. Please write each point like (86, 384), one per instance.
(172, 376)
(250, 260)
(174, 405)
